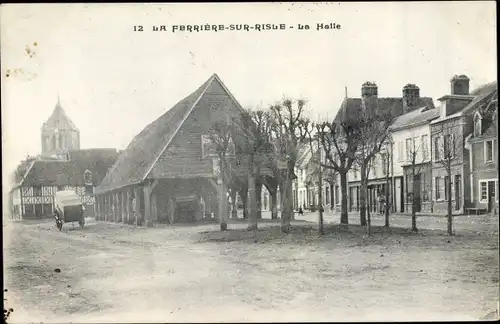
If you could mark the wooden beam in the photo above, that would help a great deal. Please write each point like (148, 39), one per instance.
(214, 183)
(147, 203)
(115, 206)
(128, 205)
(122, 209)
(137, 204)
(153, 185)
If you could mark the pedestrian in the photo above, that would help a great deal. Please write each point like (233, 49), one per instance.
(381, 203)
(301, 212)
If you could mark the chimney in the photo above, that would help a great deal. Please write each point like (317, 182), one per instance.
(411, 96)
(369, 92)
(460, 85)
(369, 89)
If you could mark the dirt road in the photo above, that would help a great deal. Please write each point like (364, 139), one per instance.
(110, 272)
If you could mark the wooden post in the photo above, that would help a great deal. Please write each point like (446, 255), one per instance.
(128, 206)
(98, 207)
(137, 205)
(115, 206)
(109, 208)
(122, 207)
(147, 204)
(105, 207)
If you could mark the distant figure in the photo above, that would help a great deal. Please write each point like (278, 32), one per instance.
(381, 203)
(301, 212)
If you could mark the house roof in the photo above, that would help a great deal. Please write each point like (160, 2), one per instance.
(136, 161)
(352, 107)
(415, 118)
(59, 119)
(70, 172)
(482, 95)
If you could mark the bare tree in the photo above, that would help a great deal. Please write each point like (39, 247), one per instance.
(448, 139)
(417, 154)
(288, 131)
(221, 136)
(339, 142)
(315, 173)
(373, 133)
(255, 131)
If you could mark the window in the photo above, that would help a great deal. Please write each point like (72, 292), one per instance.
(488, 151)
(409, 149)
(37, 191)
(483, 191)
(446, 145)
(439, 188)
(437, 156)
(89, 190)
(87, 176)
(425, 146)
(477, 125)
(400, 151)
(446, 188)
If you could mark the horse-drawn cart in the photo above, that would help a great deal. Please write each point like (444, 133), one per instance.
(68, 208)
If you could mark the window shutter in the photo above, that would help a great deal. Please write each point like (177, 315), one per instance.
(452, 145)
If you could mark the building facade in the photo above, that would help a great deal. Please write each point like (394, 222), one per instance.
(450, 154)
(383, 171)
(483, 163)
(412, 160)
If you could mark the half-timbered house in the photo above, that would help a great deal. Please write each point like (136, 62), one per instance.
(82, 171)
(168, 173)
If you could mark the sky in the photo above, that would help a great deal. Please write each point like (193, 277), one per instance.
(113, 81)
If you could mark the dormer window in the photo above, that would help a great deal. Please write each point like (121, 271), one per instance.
(477, 124)
(87, 176)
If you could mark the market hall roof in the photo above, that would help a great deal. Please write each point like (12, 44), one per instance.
(137, 160)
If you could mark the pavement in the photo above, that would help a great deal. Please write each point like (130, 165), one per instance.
(120, 273)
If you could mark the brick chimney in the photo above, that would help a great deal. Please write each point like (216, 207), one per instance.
(411, 96)
(460, 85)
(369, 89)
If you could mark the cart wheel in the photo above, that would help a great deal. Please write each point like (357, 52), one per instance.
(82, 223)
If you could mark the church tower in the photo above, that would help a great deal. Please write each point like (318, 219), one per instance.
(59, 134)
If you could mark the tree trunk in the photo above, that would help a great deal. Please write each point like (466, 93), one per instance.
(252, 202)
(369, 220)
(450, 215)
(344, 217)
(413, 202)
(274, 204)
(363, 194)
(223, 205)
(258, 198)
(234, 210)
(320, 205)
(286, 204)
(332, 202)
(387, 200)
